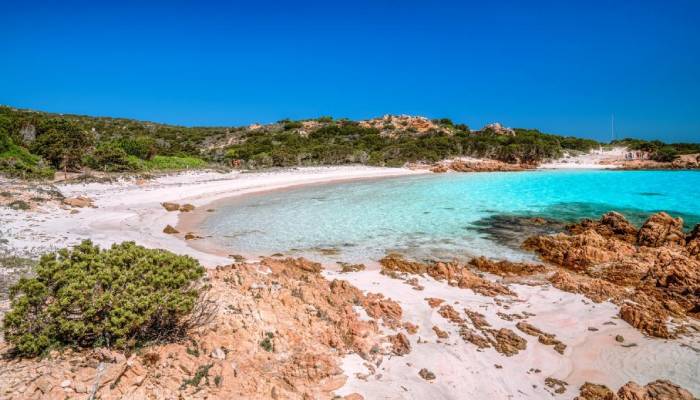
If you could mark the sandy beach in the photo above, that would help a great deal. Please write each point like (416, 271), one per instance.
(131, 210)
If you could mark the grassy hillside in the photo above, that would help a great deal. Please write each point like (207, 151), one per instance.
(32, 143)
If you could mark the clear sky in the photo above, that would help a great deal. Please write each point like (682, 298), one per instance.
(560, 66)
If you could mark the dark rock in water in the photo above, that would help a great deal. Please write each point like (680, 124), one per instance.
(511, 230)
(650, 194)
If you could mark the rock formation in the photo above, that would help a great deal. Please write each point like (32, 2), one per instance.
(454, 274)
(278, 331)
(78, 202)
(657, 390)
(653, 273)
(506, 268)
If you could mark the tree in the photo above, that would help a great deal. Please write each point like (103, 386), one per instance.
(62, 143)
(5, 141)
(665, 154)
(110, 157)
(120, 297)
(143, 147)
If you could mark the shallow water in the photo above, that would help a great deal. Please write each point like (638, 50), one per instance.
(439, 216)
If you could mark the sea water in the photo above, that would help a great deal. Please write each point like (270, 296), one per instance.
(439, 216)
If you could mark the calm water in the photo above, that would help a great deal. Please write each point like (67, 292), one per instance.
(439, 216)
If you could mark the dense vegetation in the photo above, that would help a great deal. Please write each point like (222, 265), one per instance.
(660, 151)
(86, 297)
(348, 142)
(33, 144)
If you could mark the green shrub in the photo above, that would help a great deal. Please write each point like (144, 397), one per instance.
(19, 205)
(292, 125)
(142, 147)
(5, 141)
(174, 163)
(665, 154)
(17, 162)
(62, 143)
(266, 343)
(87, 297)
(109, 157)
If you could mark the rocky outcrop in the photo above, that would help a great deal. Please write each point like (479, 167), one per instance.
(393, 126)
(78, 202)
(506, 268)
(466, 164)
(507, 342)
(400, 345)
(653, 273)
(595, 289)
(612, 224)
(657, 390)
(692, 242)
(383, 309)
(278, 330)
(497, 129)
(661, 229)
(578, 251)
(648, 318)
(453, 273)
(546, 339)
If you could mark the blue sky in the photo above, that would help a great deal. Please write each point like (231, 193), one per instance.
(560, 66)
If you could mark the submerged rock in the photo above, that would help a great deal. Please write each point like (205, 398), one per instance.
(511, 230)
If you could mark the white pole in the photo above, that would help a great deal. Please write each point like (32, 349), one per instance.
(612, 126)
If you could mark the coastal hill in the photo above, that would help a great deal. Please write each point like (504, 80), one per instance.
(35, 144)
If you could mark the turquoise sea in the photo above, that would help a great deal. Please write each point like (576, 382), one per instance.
(442, 216)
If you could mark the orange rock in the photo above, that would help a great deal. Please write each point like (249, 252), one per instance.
(506, 268)
(434, 302)
(400, 345)
(170, 206)
(661, 229)
(440, 333)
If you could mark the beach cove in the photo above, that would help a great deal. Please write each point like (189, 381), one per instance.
(132, 210)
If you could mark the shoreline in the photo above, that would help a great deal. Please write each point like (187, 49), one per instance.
(130, 210)
(191, 222)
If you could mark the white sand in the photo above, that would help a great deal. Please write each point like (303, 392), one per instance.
(596, 159)
(127, 211)
(464, 372)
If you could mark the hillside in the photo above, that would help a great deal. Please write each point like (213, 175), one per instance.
(33, 144)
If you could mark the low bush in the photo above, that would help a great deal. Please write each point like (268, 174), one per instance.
(119, 297)
(109, 157)
(17, 162)
(174, 163)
